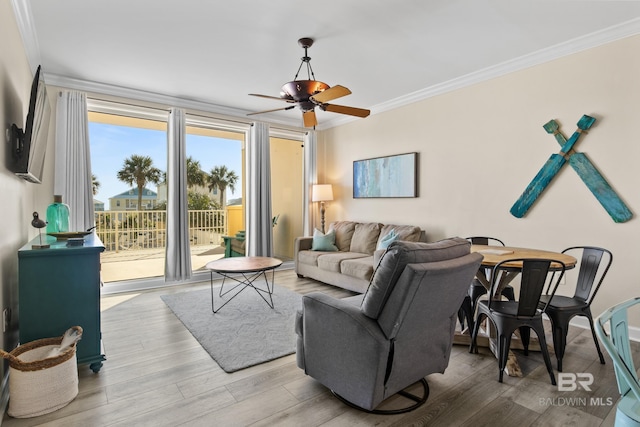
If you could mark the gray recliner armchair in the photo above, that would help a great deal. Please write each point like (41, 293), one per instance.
(372, 346)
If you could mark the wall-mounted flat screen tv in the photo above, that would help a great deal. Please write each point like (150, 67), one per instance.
(29, 146)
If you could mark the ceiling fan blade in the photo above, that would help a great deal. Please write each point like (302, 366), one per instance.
(309, 119)
(326, 95)
(275, 109)
(273, 97)
(352, 111)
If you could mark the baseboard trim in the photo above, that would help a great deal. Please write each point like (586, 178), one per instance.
(582, 322)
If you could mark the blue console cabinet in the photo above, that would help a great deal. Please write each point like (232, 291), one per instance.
(59, 287)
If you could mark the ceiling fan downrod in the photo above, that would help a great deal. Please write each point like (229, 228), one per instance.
(306, 43)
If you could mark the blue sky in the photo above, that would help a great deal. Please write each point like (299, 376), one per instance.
(111, 145)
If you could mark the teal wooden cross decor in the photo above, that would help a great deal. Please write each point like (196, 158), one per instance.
(593, 179)
(548, 171)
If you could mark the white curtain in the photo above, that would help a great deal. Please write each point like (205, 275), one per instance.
(72, 170)
(258, 167)
(178, 253)
(310, 177)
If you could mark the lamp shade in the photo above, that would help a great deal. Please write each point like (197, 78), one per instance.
(321, 193)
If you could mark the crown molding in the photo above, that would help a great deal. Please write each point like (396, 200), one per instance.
(27, 28)
(579, 44)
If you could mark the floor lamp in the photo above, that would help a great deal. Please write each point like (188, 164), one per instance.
(321, 193)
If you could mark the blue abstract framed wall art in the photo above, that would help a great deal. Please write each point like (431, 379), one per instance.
(390, 176)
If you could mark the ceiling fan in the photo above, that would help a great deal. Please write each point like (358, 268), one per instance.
(311, 93)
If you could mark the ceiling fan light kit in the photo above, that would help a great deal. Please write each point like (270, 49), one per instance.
(311, 93)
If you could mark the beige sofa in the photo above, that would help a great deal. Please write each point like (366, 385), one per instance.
(352, 265)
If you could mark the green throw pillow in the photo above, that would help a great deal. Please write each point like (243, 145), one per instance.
(324, 242)
(386, 240)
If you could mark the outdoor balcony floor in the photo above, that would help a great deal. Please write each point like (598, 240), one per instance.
(134, 264)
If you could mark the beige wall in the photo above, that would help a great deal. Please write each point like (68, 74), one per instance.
(20, 198)
(480, 146)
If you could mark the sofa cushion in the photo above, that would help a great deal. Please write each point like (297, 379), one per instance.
(360, 268)
(344, 232)
(394, 260)
(408, 233)
(310, 257)
(365, 238)
(324, 242)
(330, 261)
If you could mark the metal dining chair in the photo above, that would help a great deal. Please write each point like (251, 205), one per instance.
(477, 289)
(594, 265)
(522, 314)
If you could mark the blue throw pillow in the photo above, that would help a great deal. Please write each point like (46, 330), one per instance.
(324, 242)
(386, 240)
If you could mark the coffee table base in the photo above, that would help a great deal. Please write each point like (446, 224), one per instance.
(244, 271)
(246, 281)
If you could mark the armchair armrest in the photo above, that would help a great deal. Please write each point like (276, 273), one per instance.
(341, 347)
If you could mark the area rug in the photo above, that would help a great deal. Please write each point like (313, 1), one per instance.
(246, 331)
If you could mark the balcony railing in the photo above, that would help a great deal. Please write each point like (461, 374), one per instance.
(124, 230)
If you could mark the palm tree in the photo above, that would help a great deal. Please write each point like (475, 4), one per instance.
(139, 170)
(221, 177)
(195, 175)
(95, 184)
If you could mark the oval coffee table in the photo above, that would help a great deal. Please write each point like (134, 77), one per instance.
(244, 271)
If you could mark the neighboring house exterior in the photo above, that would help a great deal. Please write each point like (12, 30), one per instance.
(98, 206)
(162, 192)
(128, 200)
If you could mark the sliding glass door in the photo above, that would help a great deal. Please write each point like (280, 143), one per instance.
(215, 180)
(129, 164)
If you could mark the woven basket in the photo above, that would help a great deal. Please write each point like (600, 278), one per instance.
(39, 385)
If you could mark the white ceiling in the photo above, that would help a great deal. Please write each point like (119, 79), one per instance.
(388, 53)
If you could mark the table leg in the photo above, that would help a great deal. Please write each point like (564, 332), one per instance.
(483, 277)
(269, 290)
(211, 285)
(240, 283)
(246, 281)
(505, 278)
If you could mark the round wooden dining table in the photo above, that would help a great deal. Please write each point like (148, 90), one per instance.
(492, 256)
(496, 254)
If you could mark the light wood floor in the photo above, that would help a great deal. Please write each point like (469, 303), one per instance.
(157, 374)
